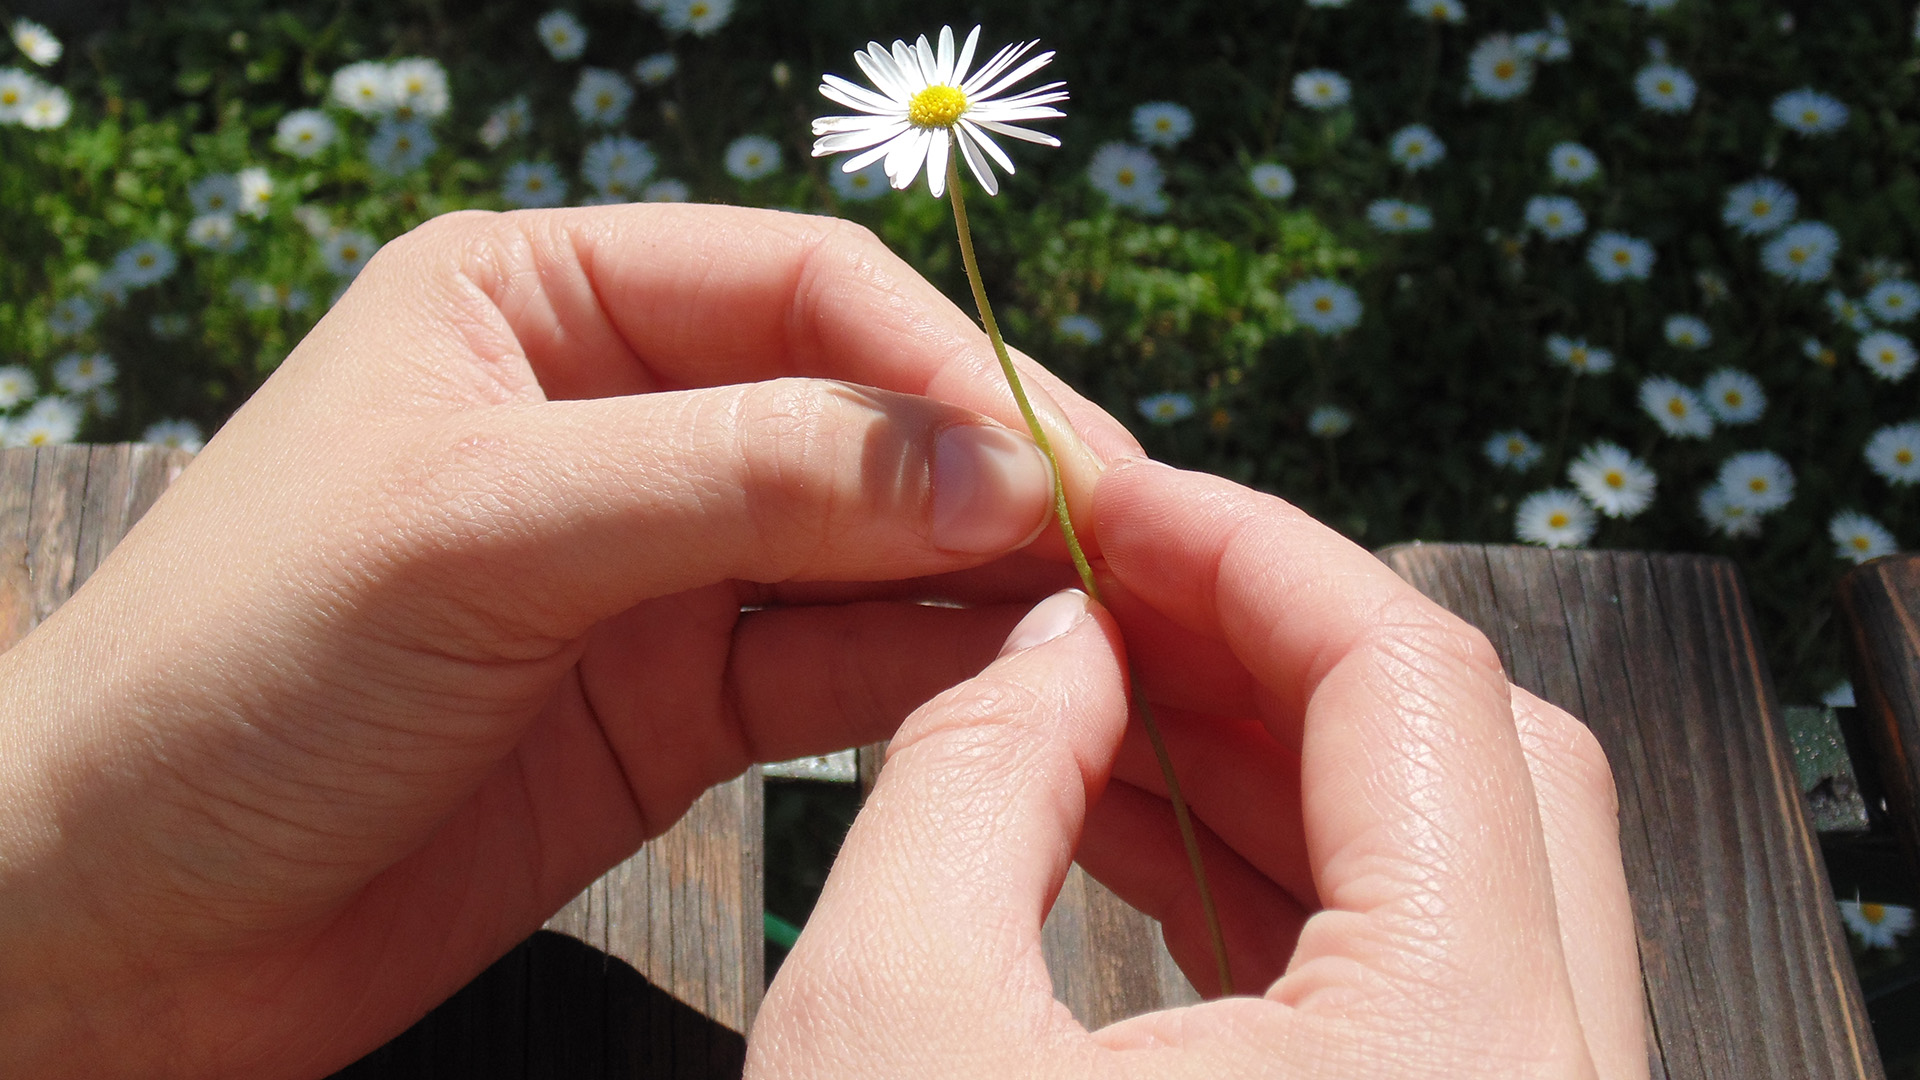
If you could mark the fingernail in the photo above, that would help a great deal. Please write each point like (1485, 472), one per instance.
(1051, 618)
(990, 488)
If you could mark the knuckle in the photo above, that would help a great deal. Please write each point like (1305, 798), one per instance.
(1407, 624)
(1578, 762)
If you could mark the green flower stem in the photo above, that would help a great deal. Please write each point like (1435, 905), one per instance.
(1181, 816)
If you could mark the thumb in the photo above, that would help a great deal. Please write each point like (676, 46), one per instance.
(924, 948)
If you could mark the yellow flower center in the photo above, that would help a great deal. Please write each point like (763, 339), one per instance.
(1505, 69)
(1810, 117)
(1757, 485)
(1558, 520)
(1799, 255)
(534, 183)
(1873, 913)
(1323, 304)
(1515, 448)
(1665, 86)
(1676, 407)
(1860, 543)
(1761, 208)
(1163, 124)
(10, 97)
(698, 11)
(1126, 178)
(145, 260)
(1616, 479)
(1903, 455)
(1623, 256)
(936, 107)
(1733, 399)
(40, 438)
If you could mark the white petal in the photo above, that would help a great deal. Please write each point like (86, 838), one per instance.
(981, 170)
(1018, 133)
(909, 65)
(879, 67)
(937, 153)
(855, 96)
(1039, 95)
(833, 125)
(998, 115)
(861, 161)
(908, 154)
(1017, 74)
(923, 55)
(966, 57)
(994, 66)
(854, 140)
(943, 66)
(992, 148)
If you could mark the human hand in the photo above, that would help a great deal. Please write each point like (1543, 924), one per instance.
(448, 619)
(1417, 866)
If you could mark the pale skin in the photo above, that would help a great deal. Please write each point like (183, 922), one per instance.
(448, 620)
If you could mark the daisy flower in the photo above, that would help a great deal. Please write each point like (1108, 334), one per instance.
(1860, 538)
(36, 41)
(1416, 147)
(1325, 306)
(303, 133)
(926, 104)
(1273, 181)
(698, 17)
(1571, 163)
(667, 191)
(346, 253)
(1162, 123)
(601, 97)
(1887, 355)
(176, 434)
(1725, 516)
(1166, 408)
(1664, 88)
(1555, 518)
(73, 316)
(1578, 356)
(16, 386)
(16, 89)
(562, 34)
(216, 194)
(143, 264)
(1395, 216)
(78, 373)
(1329, 422)
(751, 157)
(1128, 176)
(216, 232)
(1894, 453)
(364, 88)
(1847, 312)
(1802, 253)
(256, 192)
(511, 120)
(1439, 11)
(1618, 484)
(864, 186)
(1760, 207)
(1676, 408)
(1512, 450)
(1734, 396)
(1809, 112)
(51, 421)
(1079, 329)
(46, 110)
(1758, 480)
(1499, 69)
(531, 184)
(400, 146)
(1894, 301)
(1878, 926)
(1839, 696)
(1817, 351)
(1556, 216)
(1688, 332)
(419, 87)
(618, 165)
(1321, 89)
(1617, 257)
(655, 70)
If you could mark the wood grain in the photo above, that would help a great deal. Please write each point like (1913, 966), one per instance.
(1880, 610)
(1746, 970)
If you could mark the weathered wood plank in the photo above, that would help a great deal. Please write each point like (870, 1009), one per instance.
(1746, 970)
(1880, 609)
(1108, 961)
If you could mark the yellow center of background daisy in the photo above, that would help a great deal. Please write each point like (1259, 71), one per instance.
(1873, 913)
(936, 107)
(1558, 520)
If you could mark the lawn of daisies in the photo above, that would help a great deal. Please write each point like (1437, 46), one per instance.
(1623, 273)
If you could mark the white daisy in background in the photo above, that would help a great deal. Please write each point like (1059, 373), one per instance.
(1734, 396)
(1512, 450)
(1273, 181)
(1555, 518)
(256, 192)
(175, 434)
(1810, 112)
(1760, 207)
(1556, 217)
(1416, 147)
(1578, 356)
(1571, 163)
(1321, 89)
(1894, 453)
(1802, 253)
(17, 87)
(50, 422)
(1618, 484)
(1129, 176)
(1878, 926)
(533, 184)
(419, 88)
(1839, 696)
(46, 110)
(1887, 355)
(667, 191)
(511, 120)
(72, 317)
(216, 194)
(80, 373)
(304, 133)
(562, 34)
(751, 157)
(1617, 257)
(1166, 408)
(400, 146)
(1688, 332)
(601, 97)
(1860, 538)
(656, 69)
(1894, 301)
(1079, 329)
(1440, 11)
(1676, 408)
(1820, 353)
(1664, 88)
(1396, 216)
(1329, 422)
(927, 104)
(618, 165)
(143, 264)
(1758, 480)
(1499, 68)
(866, 185)
(698, 17)
(364, 88)
(1325, 306)
(216, 232)
(36, 41)
(1162, 123)
(16, 385)
(1725, 516)
(345, 254)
